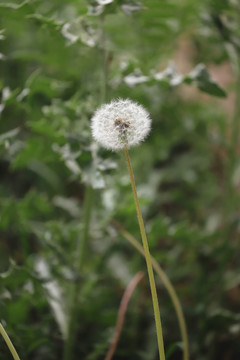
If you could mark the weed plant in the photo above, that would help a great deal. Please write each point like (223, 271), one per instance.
(66, 211)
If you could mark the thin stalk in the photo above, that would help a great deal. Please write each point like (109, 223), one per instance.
(9, 343)
(148, 260)
(122, 312)
(168, 285)
(230, 197)
(233, 155)
(81, 253)
(82, 246)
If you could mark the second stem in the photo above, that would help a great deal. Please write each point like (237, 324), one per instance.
(148, 260)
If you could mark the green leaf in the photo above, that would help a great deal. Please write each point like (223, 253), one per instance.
(9, 135)
(43, 20)
(49, 129)
(45, 172)
(40, 83)
(171, 349)
(135, 78)
(201, 77)
(79, 30)
(14, 6)
(34, 149)
(129, 9)
(94, 178)
(54, 293)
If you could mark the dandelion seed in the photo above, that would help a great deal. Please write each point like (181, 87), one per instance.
(120, 123)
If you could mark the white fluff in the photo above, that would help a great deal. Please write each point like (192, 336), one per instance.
(119, 123)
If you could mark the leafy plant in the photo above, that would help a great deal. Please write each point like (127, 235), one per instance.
(59, 61)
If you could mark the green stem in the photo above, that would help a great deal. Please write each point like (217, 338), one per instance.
(9, 343)
(169, 287)
(148, 260)
(230, 196)
(86, 221)
(233, 158)
(81, 254)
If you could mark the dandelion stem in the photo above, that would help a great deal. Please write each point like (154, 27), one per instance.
(148, 260)
(167, 284)
(9, 343)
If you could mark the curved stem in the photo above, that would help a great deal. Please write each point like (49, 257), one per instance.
(9, 343)
(230, 200)
(122, 312)
(148, 260)
(169, 287)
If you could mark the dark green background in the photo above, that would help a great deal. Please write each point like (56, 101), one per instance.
(59, 60)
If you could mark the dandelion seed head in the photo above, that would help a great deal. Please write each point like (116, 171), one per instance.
(119, 123)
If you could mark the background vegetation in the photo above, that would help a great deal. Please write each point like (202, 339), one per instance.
(59, 60)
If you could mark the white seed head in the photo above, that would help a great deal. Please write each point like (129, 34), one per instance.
(119, 123)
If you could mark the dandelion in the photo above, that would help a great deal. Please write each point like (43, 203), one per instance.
(120, 123)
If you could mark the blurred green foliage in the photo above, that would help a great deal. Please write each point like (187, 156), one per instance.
(58, 61)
